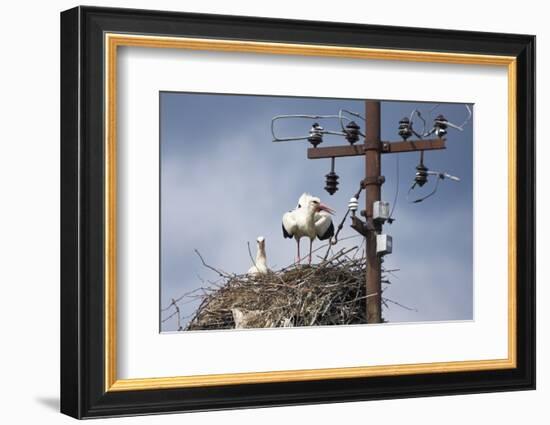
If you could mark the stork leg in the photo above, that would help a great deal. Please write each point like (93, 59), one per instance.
(310, 246)
(298, 245)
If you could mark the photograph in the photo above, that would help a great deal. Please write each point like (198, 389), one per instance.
(301, 209)
(263, 218)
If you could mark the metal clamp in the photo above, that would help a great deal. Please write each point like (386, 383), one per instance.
(372, 146)
(368, 181)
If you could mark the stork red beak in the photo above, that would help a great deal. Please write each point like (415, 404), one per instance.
(323, 207)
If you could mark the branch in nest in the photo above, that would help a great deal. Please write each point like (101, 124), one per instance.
(250, 254)
(220, 272)
(399, 304)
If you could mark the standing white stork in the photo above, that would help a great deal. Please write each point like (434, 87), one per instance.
(260, 265)
(309, 219)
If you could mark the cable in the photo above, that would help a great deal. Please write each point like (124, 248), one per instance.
(334, 239)
(390, 218)
(461, 126)
(440, 176)
(416, 201)
(340, 118)
(425, 133)
(355, 114)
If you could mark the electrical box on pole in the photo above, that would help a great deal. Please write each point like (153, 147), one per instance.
(384, 244)
(381, 211)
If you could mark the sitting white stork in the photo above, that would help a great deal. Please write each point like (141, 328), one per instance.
(309, 219)
(260, 265)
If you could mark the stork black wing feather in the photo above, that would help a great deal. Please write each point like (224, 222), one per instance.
(285, 233)
(329, 233)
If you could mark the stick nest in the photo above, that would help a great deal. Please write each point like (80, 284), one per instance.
(332, 292)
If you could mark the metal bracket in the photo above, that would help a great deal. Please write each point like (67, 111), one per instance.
(367, 181)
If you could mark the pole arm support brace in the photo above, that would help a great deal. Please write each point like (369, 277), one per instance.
(361, 226)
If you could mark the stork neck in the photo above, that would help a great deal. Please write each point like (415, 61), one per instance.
(310, 213)
(260, 255)
(260, 259)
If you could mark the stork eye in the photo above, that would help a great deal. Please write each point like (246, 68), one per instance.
(299, 206)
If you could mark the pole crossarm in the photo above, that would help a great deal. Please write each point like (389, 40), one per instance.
(386, 147)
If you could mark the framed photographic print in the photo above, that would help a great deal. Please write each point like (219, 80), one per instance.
(261, 212)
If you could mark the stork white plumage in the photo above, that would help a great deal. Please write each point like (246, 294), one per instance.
(260, 264)
(309, 219)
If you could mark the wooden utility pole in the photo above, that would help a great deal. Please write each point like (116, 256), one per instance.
(372, 184)
(372, 150)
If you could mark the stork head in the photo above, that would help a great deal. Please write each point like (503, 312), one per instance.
(313, 204)
(261, 242)
(304, 199)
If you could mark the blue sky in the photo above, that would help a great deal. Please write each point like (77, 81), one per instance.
(224, 182)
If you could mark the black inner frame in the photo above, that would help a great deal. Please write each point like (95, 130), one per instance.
(82, 206)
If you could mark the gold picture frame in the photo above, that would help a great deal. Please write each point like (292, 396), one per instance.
(114, 41)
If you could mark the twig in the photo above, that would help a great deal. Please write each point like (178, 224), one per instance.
(221, 273)
(399, 304)
(250, 254)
